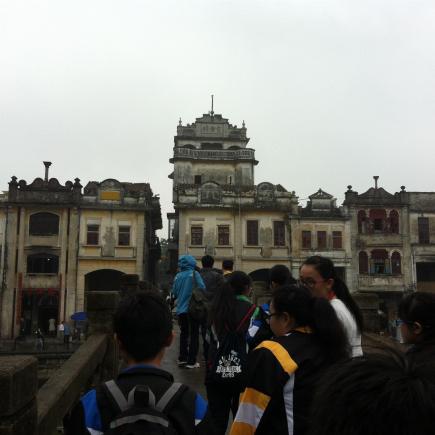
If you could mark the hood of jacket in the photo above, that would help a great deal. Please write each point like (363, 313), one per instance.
(186, 262)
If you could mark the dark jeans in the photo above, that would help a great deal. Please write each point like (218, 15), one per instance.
(205, 344)
(221, 400)
(189, 338)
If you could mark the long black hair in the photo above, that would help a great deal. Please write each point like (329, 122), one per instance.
(326, 269)
(223, 314)
(419, 307)
(318, 314)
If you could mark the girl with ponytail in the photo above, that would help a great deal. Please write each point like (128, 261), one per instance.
(283, 372)
(319, 275)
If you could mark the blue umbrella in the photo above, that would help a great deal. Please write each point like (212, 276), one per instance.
(79, 316)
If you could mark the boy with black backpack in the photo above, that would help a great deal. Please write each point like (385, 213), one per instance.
(144, 398)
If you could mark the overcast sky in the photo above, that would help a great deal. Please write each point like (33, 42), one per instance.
(332, 92)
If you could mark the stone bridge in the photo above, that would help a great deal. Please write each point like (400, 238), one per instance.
(27, 410)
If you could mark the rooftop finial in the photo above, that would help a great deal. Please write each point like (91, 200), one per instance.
(179, 121)
(212, 111)
(47, 165)
(243, 124)
(376, 177)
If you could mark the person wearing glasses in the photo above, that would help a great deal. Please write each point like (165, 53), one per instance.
(283, 373)
(417, 316)
(319, 275)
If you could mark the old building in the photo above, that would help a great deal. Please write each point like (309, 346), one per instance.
(60, 241)
(393, 242)
(219, 208)
(322, 228)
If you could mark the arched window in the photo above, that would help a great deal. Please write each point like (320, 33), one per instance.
(362, 221)
(42, 263)
(394, 221)
(363, 262)
(378, 220)
(379, 263)
(44, 224)
(396, 264)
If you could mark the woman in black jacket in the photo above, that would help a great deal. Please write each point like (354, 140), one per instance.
(230, 317)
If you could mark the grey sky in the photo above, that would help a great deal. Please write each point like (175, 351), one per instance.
(332, 92)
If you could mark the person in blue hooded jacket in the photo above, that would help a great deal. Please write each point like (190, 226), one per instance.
(189, 328)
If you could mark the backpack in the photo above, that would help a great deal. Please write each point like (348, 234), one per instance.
(229, 362)
(139, 414)
(198, 303)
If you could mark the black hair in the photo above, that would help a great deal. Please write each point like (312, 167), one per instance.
(318, 314)
(326, 269)
(207, 261)
(143, 324)
(419, 307)
(376, 394)
(223, 307)
(281, 275)
(227, 264)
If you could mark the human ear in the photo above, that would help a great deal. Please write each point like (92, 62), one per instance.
(417, 328)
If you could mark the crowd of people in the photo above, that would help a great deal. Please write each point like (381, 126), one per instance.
(294, 365)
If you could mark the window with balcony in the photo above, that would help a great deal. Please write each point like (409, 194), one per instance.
(124, 235)
(423, 231)
(93, 234)
(223, 235)
(378, 218)
(394, 222)
(396, 263)
(44, 224)
(279, 233)
(252, 233)
(337, 242)
(379, 262)
(42, 263)
(306, 239)
(363, 260)
(196, 233)
(362, 221)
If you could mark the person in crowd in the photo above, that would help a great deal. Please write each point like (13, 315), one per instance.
(376, 394)
(283, 372)
(212, 280)
(230, 316)
(189, 327)
(39, 339)
(52, 327)
(280, 275)
(227, 267)
(66, 334)
(143, 330)
(417, 315)
(319, 275)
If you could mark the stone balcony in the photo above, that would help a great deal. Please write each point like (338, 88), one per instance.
(41, 280)
(381, 282)
(187, 153)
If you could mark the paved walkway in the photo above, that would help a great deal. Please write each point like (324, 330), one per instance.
(192, 377)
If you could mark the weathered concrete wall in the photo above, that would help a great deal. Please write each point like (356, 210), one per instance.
(18, 387)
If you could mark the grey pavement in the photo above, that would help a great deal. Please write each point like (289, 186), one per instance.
(194, 378)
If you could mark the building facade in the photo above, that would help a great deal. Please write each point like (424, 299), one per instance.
(219, 210)
(382, 244)
(59, 241)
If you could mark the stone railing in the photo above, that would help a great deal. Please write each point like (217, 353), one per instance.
(187, 153)
(26, 411)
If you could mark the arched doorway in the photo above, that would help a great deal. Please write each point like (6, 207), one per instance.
(103, 280)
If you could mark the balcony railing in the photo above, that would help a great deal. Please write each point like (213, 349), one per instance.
(187, 153)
